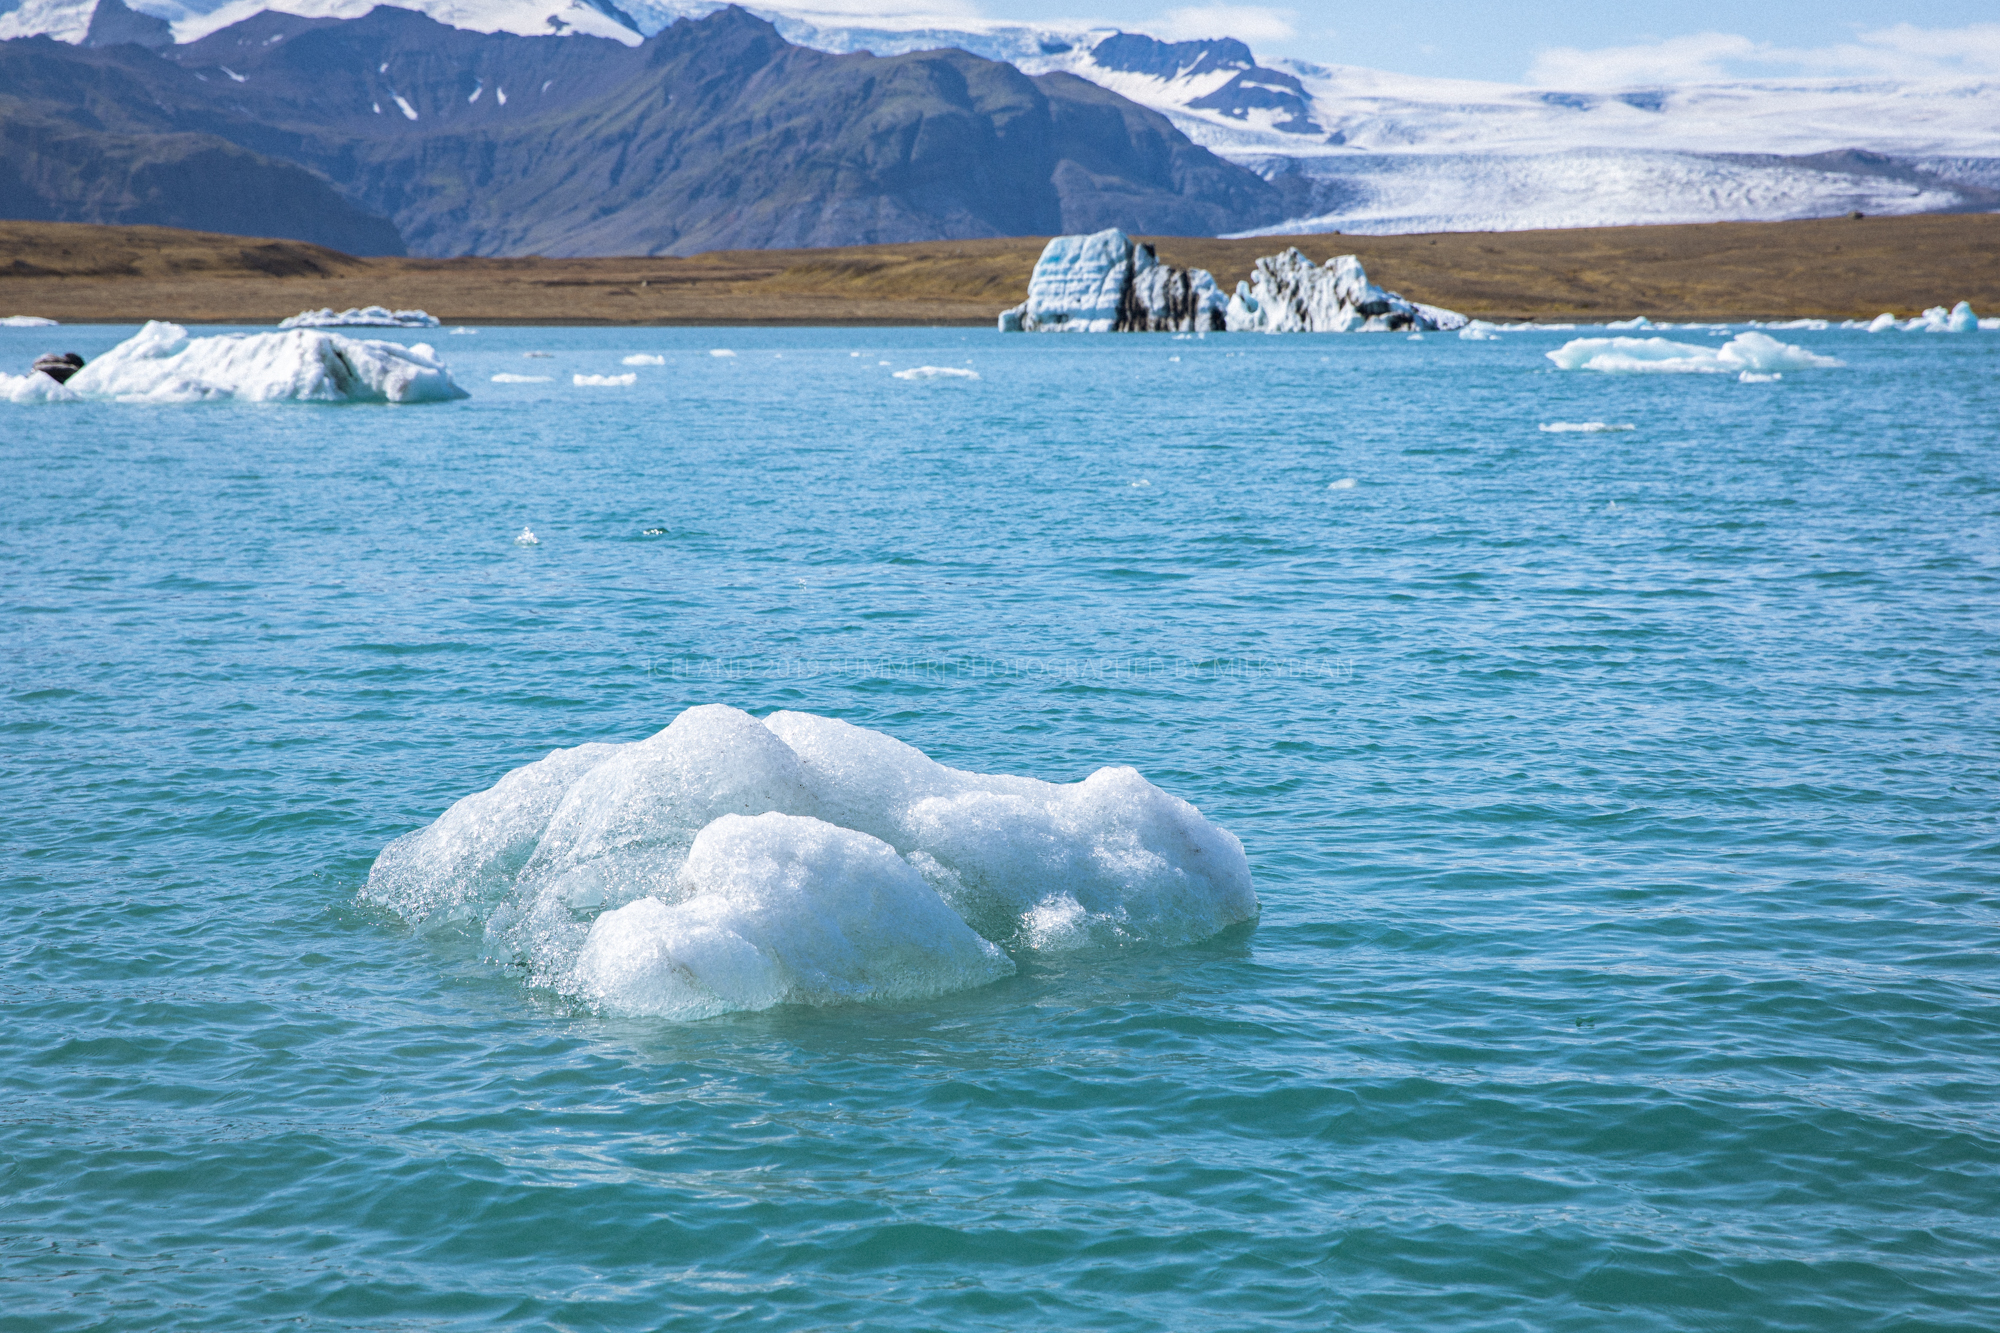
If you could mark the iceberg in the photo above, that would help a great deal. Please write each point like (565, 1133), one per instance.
(1288, 293)
(161, 364)
(367, 317)
(26, 322)
(728, 863)
(644, 359)
(1757, 352)
(1479, 330)
(1105, 283)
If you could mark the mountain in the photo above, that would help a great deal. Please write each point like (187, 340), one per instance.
(714, 133)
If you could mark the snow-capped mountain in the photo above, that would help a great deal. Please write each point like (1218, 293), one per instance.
(1381, 152)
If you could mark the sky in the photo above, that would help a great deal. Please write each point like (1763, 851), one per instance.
(1612, 42)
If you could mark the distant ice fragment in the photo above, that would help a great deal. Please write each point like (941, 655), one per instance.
(1478, 330)
(1582, 427)
(527, 538)
(624, 381)
(160, 363)
(727, 864)
(1344, 484)
(1746, 351)
(1885, 320)
(644, 359)
(462, 331)
(26, 322)
(721, 351)
(365, 317)
(1636, 322)
(1752, 377)
(507, 377)
(936, 373)
(1962, 319)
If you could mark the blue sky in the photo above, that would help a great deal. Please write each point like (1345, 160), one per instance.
(1570, 42)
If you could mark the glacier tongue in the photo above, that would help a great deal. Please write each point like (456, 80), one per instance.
(1104, 283)
(1288, 293)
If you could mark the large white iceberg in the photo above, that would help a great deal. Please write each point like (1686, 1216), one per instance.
(1746, 352)
(364, 317)
(160, 363)
(731, 864)
(1288, 293)
(1104, 283)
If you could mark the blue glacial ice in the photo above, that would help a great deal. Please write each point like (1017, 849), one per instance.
(1105, 283)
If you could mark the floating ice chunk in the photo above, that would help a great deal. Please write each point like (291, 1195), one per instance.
(365, 317)
(1885, 320)
(625, 381)
(1529, 326)
(26, 322)
(35, 387)
(1791, 324)
(160, 363)
(1288, 293)
(644, 359)
(1752, 377)
(936, 373)
(727, 864)
(1344, 484)
(1583, 427)
(1990, 323)
(1746, 351)
(462, 331)
(721, 351)
(527, 538)
(508, 377)
(1636, 322)
(1478, 330)
(1106, 283)
(1962, 319)
(782, 909)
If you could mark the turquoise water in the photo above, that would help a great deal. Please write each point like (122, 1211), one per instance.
(1622, 807)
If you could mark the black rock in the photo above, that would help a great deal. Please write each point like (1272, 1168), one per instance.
(59, 366)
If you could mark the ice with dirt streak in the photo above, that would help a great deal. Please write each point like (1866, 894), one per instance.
(731, 864)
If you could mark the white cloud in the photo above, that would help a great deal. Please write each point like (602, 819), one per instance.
(1902, 52)
(1247, 23)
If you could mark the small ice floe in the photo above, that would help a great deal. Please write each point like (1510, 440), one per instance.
(527, 538)
(1344, 484)
(936, 373)
(1416, 338)
(1790, 324)
(1636, 322)
(1142, 482)
(366, 317)
(882, 363)
(507, 377)
(1583, 427)
(1746, 351)
(1752, 377)
(26, 322)
(720, 351)
(625, 381)
(643, 359)
(1478, 331)
(161, 364)
(1174, 359)
(461, 331)
(537, 356)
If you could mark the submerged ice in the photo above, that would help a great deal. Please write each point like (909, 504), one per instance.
(731, 864)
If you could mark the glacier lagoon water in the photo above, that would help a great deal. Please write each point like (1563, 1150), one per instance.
(1622, 804)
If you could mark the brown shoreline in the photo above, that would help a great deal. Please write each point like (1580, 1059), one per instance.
(1829, 268)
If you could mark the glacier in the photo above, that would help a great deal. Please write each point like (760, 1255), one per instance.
(1288, 293)
(162, 364)
(366, 317)
(729, 863)
(1747, 355)
(1105, 283)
